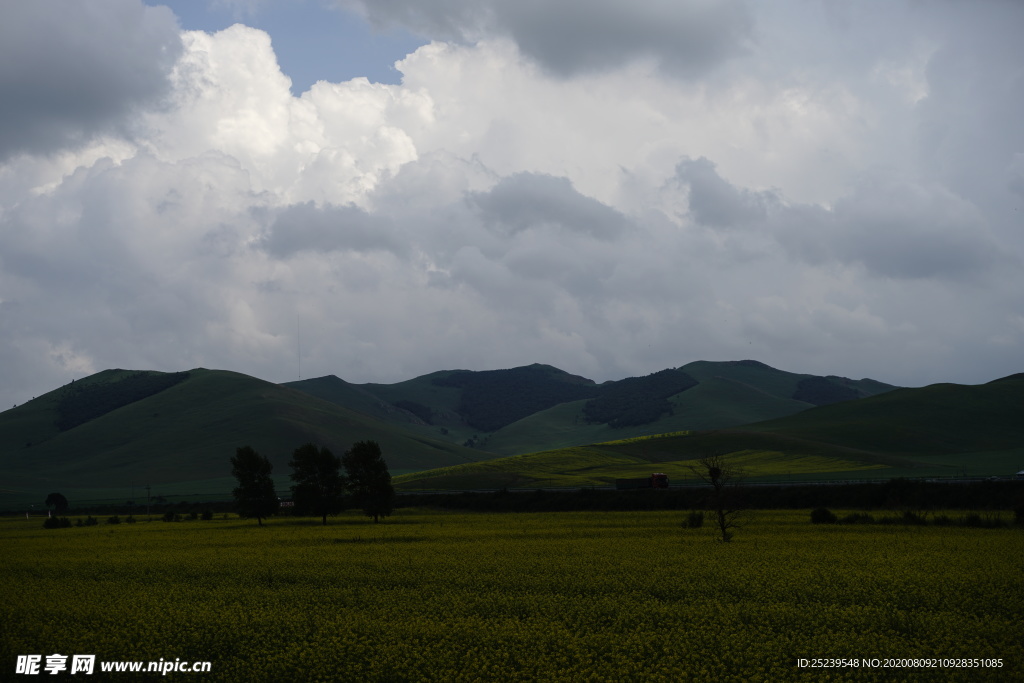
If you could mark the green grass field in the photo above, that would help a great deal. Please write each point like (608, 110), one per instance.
(567, 596)
(601, 464)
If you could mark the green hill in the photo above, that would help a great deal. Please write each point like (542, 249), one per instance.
(527, 409)
(353, 397)
(807, 389)
(941, 418)
(463, 406)
(943, 429)
(178, 430)
(183, 436)
(726, 394)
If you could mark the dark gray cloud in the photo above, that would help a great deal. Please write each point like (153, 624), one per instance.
(686, 38)
(536, 200)
(895, 229)
(901, 229)
(715, 202)
(969, 131)
(308, 227)
(891, 226)
(70, 70)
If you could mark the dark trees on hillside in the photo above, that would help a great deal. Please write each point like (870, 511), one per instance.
(58, 502)
(637, 400)
(255, 495)
(85, 402)
(319, 486)
(492, 399)
(369, 480)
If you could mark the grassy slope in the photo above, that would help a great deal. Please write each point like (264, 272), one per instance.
(189, 432)
(771, 380)
(728, 395)
(353, 397)
(942, 429)
(35, 421)
(598, 465)
(719, 402)
(757, 375)
(713, 404)
(941, 418)
(420, 390)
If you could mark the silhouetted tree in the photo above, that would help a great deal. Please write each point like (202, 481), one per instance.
(724, 499)
(369, 480)
(255, 495)
(58, 502)
(319, 486)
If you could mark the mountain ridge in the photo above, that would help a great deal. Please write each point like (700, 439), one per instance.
(461, 407)
(940, 430)
(180, 429)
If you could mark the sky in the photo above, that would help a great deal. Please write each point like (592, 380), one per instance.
(381, 189)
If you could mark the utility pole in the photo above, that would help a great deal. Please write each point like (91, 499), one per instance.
(148, 519)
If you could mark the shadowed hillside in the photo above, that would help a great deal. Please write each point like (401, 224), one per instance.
(526, 409)
(940, 430)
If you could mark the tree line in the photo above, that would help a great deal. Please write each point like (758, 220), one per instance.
(319, 488)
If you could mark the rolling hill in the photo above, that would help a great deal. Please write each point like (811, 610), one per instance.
(118, 428)
(943, 429)
(182, 435)
(537, 407)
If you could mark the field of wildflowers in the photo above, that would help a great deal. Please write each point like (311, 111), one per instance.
(561, 596)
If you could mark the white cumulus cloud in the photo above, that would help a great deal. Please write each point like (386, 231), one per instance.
(796, 187)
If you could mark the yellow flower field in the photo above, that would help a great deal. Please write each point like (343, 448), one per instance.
(564, 596)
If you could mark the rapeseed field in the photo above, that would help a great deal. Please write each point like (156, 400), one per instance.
(432, 596)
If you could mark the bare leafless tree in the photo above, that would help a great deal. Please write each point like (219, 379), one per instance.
(725, 502)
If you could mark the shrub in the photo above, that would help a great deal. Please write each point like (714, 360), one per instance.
(51, 523)
(193, 516)
(113, 520)
(1018, 514)
(823, 516)
(913, 518)
(129, 519)
(207, 515)
(91, 521)
(857, 518)
(694, 520)
(171, 516)
(989, 521)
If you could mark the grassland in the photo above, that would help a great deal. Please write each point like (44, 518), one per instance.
(602, 464)
(569, 596)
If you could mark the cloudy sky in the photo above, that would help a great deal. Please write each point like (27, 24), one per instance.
(610, 187)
